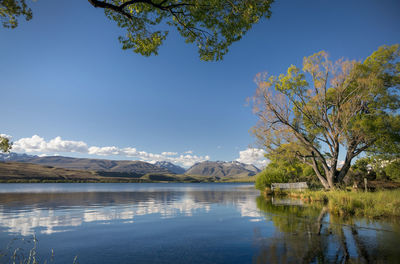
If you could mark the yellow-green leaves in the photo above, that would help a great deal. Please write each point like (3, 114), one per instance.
(345, 105)
(5, 144)
(10, 10)
(292, 82)
(144, 42)
(212, 25)
(385, 58)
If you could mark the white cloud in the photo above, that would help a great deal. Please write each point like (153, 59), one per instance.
(183, 160)
(37, 144)
(169, 153)
(188, 160)
(253, 156)
(104, 151)
(6, 136)
(129, 152)
(60, 145)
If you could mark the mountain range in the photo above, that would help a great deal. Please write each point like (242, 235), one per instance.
(120, 168)
(223, 169)
(170, 167)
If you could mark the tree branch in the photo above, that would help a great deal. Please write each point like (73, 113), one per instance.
(168, 8)
(115, 8)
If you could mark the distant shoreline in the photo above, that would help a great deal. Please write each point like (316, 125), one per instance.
(15, 172)
(33, 181)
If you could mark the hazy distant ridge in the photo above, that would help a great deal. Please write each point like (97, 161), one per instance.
(223, 169)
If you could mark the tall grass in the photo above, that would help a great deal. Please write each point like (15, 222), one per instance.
(385, 203)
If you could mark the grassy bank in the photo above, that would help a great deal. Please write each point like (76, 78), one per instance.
(248, 179)
(385, 203)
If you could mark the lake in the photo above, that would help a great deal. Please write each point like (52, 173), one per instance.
(182, 223)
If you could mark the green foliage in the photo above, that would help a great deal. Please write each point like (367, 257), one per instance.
(392, 170)
(367, 167)
(284, 167)
(380, 118)
(10, 10)
(382, 167)
(343, 105)
(5, 144)
(271, 174)
(362, 165)
(213, 25)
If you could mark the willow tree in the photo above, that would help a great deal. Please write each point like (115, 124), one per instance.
(213, 25)
(328, 107)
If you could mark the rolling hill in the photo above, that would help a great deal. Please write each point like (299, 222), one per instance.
(28, 172)
(117, 166)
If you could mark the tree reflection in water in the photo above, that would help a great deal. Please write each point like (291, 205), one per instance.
(309, 234)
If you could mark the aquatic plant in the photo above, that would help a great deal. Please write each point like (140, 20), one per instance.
(383, 203)
(24, 251)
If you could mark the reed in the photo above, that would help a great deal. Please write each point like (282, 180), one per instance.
(383, 203)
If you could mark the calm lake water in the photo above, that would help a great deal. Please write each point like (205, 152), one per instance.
(182, 223)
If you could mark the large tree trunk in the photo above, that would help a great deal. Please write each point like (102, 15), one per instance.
(330, 176)
(346, 167)
(319, 175)
(343, 171)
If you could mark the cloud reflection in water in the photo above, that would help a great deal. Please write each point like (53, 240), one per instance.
(48, 213)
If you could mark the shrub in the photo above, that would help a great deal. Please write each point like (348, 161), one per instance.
(270, 175)
(392, 170)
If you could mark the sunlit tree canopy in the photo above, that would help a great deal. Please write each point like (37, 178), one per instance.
(327, 107)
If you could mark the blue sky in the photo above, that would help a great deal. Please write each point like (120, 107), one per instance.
(64, 74)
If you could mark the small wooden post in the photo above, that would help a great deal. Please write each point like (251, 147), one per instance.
(355, 186)
(365, 184)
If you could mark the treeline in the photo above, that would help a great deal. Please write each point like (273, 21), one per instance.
(383, 170)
